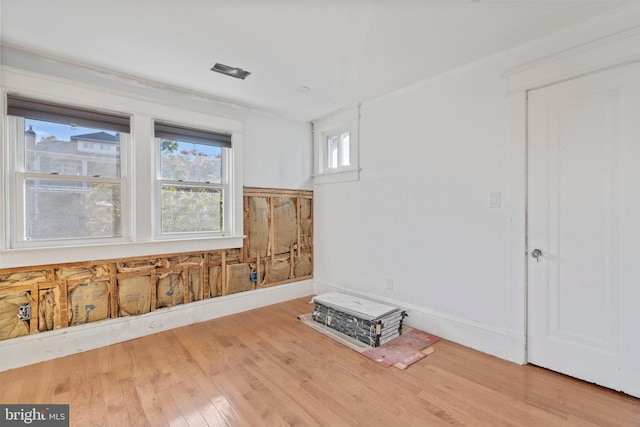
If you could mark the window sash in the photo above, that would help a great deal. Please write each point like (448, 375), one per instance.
(50, 197)
(191, 193)
(169, 131)
(197, 171)
(24, 182)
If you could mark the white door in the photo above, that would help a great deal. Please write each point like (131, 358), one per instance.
(584, 228)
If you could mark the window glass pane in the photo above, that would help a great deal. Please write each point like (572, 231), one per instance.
(71, 209)
(332, 152)
(53, 148)
(191, 209)
(345, 149)
(190, 162)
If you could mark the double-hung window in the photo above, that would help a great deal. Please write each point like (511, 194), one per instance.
(193, 181)
(62, 193)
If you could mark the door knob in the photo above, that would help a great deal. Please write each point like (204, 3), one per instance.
(536, 253)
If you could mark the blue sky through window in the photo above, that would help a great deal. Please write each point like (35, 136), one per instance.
(209, 150)
(62, 132)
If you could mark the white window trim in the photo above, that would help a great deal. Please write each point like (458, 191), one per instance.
(140, 239)
(346, 120)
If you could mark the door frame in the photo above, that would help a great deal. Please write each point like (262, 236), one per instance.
(567, 56)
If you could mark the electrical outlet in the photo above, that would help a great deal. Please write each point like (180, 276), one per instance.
(390, 283)
(494, 199)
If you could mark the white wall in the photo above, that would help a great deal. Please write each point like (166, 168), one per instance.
(277, 153)
(430, 155)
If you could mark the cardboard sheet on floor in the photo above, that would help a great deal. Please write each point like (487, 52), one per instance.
(404, 350)
(401, 352)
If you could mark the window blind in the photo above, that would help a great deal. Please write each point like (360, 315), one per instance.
(180, 133)
(57, 113)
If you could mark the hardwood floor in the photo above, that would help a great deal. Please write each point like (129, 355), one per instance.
(265, 368)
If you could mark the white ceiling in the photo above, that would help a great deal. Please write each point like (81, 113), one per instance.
(346, 51)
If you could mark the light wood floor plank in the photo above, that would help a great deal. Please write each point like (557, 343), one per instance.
(265, 368)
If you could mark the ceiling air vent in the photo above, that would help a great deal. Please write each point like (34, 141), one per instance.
(238, 73)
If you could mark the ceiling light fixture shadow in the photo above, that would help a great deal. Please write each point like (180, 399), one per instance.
(238, 73)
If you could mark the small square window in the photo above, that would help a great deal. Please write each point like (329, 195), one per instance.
(336, 148)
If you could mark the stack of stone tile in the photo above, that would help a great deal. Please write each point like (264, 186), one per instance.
(367, 321)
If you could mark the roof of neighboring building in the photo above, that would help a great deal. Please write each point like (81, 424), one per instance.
(97, 136)
(57, 147)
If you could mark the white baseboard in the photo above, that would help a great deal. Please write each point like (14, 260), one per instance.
(43, 346)
(485, 338)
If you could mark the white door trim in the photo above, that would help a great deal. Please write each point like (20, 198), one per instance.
(617, 43)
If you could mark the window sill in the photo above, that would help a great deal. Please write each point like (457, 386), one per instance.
(346, 175)
(25, 257)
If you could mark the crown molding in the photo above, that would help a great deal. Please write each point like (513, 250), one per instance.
(40, 63)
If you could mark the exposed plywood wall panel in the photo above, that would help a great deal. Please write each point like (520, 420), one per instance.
(278, 226)
(306, 222)
(257, 225)
(134, 295)
(285, 224)
(170, 289)
(239, 278)
(11, 326)
(88, 302)
(49, 309)
(278, 249)
(215, 281)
